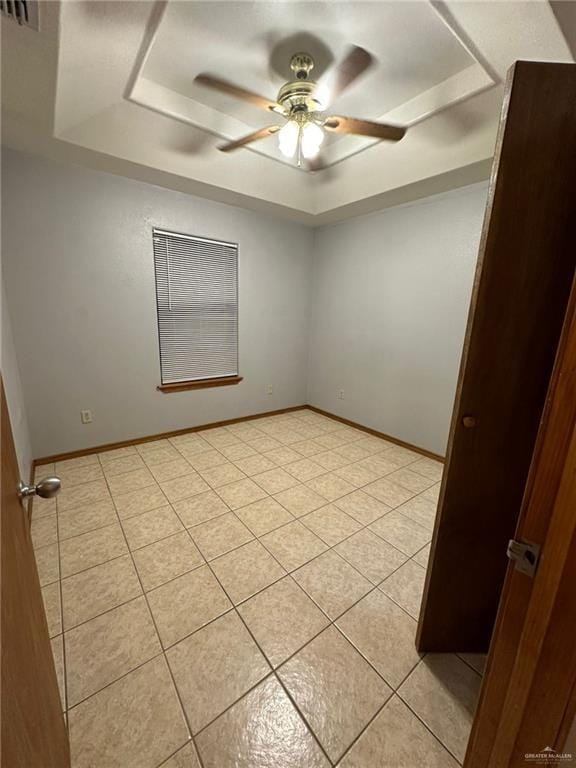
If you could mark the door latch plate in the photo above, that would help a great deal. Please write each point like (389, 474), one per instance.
(525, 556)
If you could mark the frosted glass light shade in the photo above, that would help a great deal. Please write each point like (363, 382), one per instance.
(288, 138)
(312, 138)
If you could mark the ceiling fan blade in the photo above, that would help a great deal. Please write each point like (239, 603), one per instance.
(240, 93)
(338, 124)
(337, 79)
(315, 164)
(262, 133)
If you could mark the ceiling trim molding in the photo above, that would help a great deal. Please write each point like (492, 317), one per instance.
(164, 101)
(458, 88)
(443, 182)
(66, 95)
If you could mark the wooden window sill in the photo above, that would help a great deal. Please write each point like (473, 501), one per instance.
(181, 386)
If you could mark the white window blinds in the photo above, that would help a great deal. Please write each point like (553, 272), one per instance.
(197, 298)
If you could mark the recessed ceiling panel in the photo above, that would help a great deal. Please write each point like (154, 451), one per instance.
(414, 49)
(250, 44)
(439, 69)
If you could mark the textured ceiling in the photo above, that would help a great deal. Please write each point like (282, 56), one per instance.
(111, 85)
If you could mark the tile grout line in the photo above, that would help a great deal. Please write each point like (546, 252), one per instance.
(120, 677)
(300, 482)
(257, 538)
(163, 653)
(395, 690)
(300, 519)
(273, 670)
(428, 728)
(457, 653)
(333, 548)
(331, 623)
(175, 687)
(304, 415)
(248, 629)
(171, 504)
(260, 649)
(196, 753)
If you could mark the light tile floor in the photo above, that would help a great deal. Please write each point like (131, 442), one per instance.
(247, 596)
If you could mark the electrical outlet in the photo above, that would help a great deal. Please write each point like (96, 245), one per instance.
(270, 389)
(340, 394)
(86, 417)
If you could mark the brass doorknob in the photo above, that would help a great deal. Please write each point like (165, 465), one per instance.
(469, 421)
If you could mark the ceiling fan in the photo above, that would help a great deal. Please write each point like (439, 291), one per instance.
(302, 103)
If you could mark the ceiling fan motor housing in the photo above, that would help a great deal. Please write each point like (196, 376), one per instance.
(298, 104)
(297, 96)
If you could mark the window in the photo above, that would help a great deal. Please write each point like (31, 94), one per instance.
(197, 300)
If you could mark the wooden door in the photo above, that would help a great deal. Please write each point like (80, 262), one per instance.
(525, 269)
(33, 732)
(528, 696)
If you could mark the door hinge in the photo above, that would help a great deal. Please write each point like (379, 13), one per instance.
(525, 556)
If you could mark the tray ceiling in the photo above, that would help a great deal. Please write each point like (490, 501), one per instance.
(119, 93)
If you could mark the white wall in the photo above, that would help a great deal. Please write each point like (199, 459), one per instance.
(390, 300)
(78, 264)
(15, 396)
(375, 306)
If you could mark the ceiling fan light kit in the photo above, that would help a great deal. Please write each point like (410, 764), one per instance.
(302, 135)
(301, 102)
